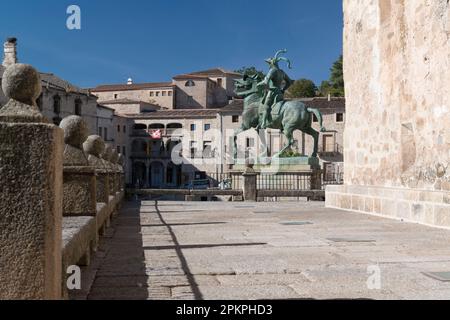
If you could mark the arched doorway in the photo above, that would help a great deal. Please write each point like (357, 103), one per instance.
(156, 173)
(173, 175)
(139, 174)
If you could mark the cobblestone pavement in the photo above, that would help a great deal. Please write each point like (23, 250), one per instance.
(292, 250)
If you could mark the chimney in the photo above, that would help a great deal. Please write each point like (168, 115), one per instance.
(130, 81)
(329, 97)
(10, 52)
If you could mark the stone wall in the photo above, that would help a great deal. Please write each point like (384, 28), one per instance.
(397, 141)
(50, 216)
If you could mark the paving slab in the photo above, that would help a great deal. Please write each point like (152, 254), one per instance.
(211, 250)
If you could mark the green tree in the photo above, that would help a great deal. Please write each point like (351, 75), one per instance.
(303, 88)
(335, 85)
(325, 88)
(250, 71)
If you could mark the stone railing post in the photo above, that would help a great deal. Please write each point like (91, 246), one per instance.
(106, 157)
(114, 159)
(79, 177)
(31, 175)
(94, 146)
(249, 184)
(121, 163)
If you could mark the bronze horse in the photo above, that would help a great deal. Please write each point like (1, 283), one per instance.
(286, 116)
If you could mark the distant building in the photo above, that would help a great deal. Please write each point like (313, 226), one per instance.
(198, 90)
(173, 132)
(60, 99)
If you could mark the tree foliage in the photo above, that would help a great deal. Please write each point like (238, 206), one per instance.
(302, 88)
(335, 85)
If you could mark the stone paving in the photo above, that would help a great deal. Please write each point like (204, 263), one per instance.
(289, 250)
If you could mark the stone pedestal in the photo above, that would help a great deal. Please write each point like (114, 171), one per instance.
(249, 185)
(31, 166)
(103, 185)
(80, 198)
(31, 210)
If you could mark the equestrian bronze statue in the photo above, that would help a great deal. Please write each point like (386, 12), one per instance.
(266, 108)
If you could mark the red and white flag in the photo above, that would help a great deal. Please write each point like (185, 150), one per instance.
(155, 134)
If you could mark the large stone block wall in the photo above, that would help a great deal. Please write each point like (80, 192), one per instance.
(397, 74)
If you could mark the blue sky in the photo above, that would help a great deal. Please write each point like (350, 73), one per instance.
(154, 40)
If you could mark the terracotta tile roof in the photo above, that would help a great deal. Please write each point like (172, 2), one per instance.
(215, 72)
(135, 86)
(319, 103)
(53, 81)
(176, 114)
(323, 103)
(190, 76)
(49, 80)
(236, 105)
(123, 101)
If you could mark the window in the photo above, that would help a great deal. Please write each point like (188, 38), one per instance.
(152, 93)
(207, 149)
(118, 130)
(250, 142)
(190, 99)
(189, 83)
(106, 134)
(207, 127)
(164, 93)
(118, 149)
(219, 82)
(193, 127)
(169, 175)
(157, 93)
(339, 117)
(115, 96)
(57, 104)
(124, 151)
(78, 104)
(315, 118)
(100, 131)
(169, 93)
(193, 149)
(328, 143)
(124, 129)
(235, 119)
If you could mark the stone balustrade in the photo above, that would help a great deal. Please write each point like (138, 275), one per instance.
(60, 189)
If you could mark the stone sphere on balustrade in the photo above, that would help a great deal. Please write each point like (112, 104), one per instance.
(75, 131)
(94, 145)
(107, 153)
(22, 82)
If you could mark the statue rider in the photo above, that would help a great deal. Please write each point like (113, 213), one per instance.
(276, 83)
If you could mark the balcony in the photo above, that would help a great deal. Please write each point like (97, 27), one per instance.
(164, 133)
(140, 133)
(331, 150)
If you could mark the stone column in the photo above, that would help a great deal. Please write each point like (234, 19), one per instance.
(79, 176)
(249, 177)
(94, 146)
(31, 168)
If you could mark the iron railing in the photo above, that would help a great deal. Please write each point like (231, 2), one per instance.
(226, 181)
(283, 181)
(332, 178)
